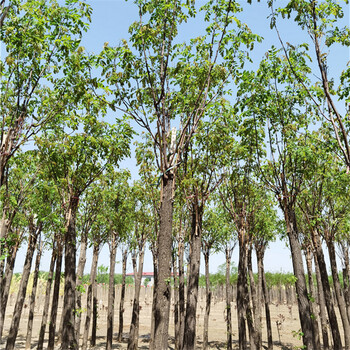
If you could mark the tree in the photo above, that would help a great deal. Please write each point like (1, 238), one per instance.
(74, 162)
(215, 230)
(326, 26)
(39, 38)
(159, 82)
(275, 102)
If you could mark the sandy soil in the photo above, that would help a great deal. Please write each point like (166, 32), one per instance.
(284, 334)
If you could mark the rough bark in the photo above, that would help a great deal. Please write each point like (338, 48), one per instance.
(228, 254)
(305, 314)
(11, 339)
(339, 293)
(4, 227)
(193, 278)
(47, 300)
(326, 290)
(322, 306)
(134, 326)
(94, 315)
(255, 306)
(312, 293)
(89, 295)
(69, 340)
(55, 298)
(32, 297)
(155, 270)
(260, 259)
(80, 274)
(176, 301)
(241, 292)
(6, 283)
(181, 295)
(346, 275)
(207, 299)
(111, 291)
(122, 297)
(164, 249)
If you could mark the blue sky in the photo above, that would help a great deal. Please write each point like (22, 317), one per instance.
(110, 22)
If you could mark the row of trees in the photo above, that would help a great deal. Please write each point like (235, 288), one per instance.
(223, 147)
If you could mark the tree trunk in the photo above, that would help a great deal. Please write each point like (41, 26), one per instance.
(181, 295)
(176, 301)
(69, 340)
(255, 306)
(193, 278)
(6, 284)
(47, 300)
(241, 291)
(32, 297)
(207, 298)
(164, 249)
(111, 291)
(80, 275)
(55, 298)
(326, 290)
(11, 339)
(305, 314)
(155, 271)
(339, 293)
(228, 254)
(94, 315)
(134, 326)
(89, 295)
(122, 297)
(322, 305)
(346, 275)
(260, 259)
(4, 227)
(312, 293)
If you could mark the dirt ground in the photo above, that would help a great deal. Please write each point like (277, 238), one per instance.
(284, 318)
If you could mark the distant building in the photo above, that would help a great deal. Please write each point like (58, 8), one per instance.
(146, 280)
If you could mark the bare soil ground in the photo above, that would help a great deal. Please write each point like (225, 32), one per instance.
(284, 334)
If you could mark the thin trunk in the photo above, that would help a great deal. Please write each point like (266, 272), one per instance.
(55, 298)
(47, 300)
(312, 293)
(122, 297)
(6, 284)
(241, 292)
(94, 315)
(32, 297)
(134, 326)
(228, 253)
(164, 248)
(255, 306)
(11, 339)
(327, 290)
(4, 227)
(89, 295)
(339, 293)
(260, 259)
(346, 276)
(69, 340)
(322, 305)
(305, 314)
(176, 301)
(193, 278)
(80, 274)
(153, 322)
(181, 295)
(111, 291)
(207, 298)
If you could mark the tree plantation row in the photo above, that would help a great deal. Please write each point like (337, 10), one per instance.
(232, 151)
